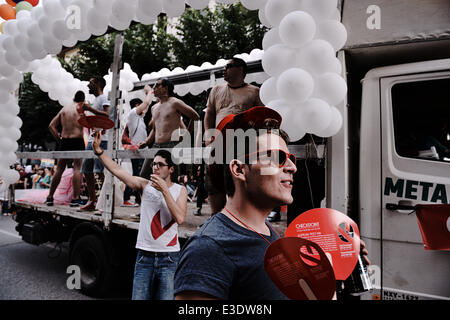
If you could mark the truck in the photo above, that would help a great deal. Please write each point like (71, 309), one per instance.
(384, 161)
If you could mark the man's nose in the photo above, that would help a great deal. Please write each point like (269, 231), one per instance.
(290, 166)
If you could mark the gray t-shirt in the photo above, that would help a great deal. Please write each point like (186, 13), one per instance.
(99, 104)
(226, 261)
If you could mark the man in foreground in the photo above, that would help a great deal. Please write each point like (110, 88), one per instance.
(225, 257)
(69, 139)
(163, 208)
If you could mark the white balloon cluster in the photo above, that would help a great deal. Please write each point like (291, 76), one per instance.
(300, 56)
(198, 87)
(60, 85)
(127, 80)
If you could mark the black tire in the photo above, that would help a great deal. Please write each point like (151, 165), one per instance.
(97, 272)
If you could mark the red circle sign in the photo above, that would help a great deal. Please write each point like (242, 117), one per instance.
(334, 232)
(300, 269)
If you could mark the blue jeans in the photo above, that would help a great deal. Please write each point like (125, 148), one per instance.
(154, 275)
(93, 165)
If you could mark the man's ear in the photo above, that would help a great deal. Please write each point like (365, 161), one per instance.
(237, 169)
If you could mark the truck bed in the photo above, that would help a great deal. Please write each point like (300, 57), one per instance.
(125, 217)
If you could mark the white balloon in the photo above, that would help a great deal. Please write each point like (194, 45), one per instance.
(320, 9)
(253, 4)
(103, 6)
(197, 4)
(5, 69)
(53, 9)
(295, 85)
(8, 44)
(297, 28)
(11, 176)
(51, 44)
(335, 125)
(316, 115)
(276, 10)
(317, 57)
(334, 32)
(173, 8)
(144, 18)
(123, 11)
(268, 91)
(271, 38)
(182, 89)
(150, 7)
(13, 58)
(331, 88)
(14, 133)
(7, 85)
(263, 18)
(60, 31)
(6, 119)
(119, 25)
(70, 42)
(290, 124)
(10, 28)
(277, 59)
(17, 123)
(280, 106)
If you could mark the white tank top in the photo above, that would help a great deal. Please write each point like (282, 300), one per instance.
(158, 230)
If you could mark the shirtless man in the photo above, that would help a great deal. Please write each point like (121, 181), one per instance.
(166, 118)
(69, 139)
(233, 97)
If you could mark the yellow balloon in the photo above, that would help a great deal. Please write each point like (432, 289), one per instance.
(1, 26)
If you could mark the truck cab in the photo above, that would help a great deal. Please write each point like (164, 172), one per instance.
(405, 161)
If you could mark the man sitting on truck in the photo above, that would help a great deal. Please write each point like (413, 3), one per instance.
(163, 208)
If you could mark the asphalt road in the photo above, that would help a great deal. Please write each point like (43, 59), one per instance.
(29, 272)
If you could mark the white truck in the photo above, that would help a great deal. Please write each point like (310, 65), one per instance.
(387, 158)
(397, 66)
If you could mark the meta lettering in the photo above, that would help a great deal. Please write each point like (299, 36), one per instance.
(416, 190)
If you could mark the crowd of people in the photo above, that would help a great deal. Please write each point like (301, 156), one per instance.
(224, 259)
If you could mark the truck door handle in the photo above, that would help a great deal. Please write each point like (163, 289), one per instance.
(400, 206)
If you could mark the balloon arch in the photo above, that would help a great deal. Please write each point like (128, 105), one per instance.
(302, 74)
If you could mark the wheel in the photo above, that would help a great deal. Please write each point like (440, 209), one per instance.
(97, 273)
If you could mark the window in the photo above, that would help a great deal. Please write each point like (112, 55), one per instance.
(421, 113)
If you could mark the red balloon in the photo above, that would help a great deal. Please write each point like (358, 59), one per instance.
(7, 12)
(11, 3)
(34, 3)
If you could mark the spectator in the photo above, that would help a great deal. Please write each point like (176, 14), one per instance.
(38, 177)
(47, 180)
(4, 197)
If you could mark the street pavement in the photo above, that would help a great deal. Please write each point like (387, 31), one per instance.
(29, 272)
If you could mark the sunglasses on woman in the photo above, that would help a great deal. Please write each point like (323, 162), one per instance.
(276, 156)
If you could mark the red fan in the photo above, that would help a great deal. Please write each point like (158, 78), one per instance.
(334, 232)
(300, 269)
(94, 122)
